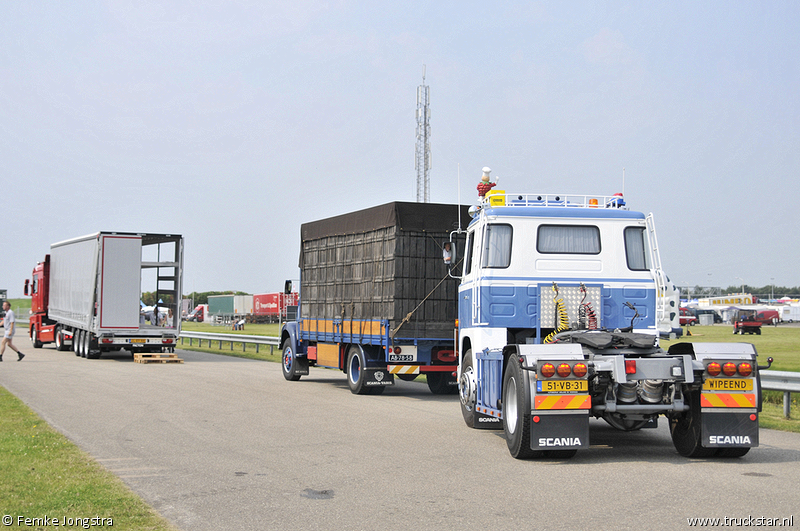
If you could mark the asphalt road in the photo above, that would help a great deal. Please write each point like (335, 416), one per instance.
(222, 443)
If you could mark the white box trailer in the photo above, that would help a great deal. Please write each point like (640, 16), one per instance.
(94, 288)
(790, 313)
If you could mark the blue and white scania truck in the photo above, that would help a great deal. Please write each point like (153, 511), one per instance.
(559, 306)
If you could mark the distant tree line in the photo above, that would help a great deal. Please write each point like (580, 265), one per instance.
(202, 297)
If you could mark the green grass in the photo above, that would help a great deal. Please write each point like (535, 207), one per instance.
(780, 342)
(237, 349)
(43, 474)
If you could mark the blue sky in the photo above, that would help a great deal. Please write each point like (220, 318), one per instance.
(233, 123)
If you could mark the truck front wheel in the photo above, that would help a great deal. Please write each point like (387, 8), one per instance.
(289, 361)
(467, 389)
(35, 337)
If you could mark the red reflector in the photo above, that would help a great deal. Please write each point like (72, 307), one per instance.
(714, 368)
(579, 370)
(745, 369)
(753, 416)
(630, 366)
(548, 370)
(729, 369)
(564, 370)
(536, 418)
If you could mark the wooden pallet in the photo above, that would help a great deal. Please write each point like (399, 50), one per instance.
(157, 357)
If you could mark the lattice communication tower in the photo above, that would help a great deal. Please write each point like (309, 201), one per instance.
(423, 151)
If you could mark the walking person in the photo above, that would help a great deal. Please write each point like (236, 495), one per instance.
(10, 323)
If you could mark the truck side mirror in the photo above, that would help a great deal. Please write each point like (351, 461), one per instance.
(287, 287)
(27, 283)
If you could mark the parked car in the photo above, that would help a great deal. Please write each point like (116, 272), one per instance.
(687, 318)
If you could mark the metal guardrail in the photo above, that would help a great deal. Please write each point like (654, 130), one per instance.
(245, 340)
(786, 381)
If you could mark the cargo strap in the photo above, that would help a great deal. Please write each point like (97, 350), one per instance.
(408, 316)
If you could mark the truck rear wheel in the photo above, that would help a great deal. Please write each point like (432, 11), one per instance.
(685, 430)
(467, 390)
(356, 362)
(76, 342)
(516, 413)
(92, 348)
(288, 361)
(442, 383)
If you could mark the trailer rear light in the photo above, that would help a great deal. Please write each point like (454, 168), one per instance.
(630, 366)
(446, 356)
(714, 368)
(397, 350)
(579, 370)
(168, 341)
(729, 369)
(106, 340)
(564, 370)
(745, 369)
(548, 370)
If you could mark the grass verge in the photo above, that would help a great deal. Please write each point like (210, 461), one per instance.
(44, 475)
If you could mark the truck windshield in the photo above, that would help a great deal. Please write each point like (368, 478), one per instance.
(636, 249)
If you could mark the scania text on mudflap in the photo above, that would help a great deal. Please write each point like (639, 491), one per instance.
(561, 301)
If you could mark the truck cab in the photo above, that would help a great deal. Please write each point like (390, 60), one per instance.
(559, 304)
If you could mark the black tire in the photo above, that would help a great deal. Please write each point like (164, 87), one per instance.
(685, 430)
(84, 347)
(467, 390)
(60, 346)
(92, 348)
(758, 331)
(288, 361)
(732, 452)
(356, 363)
(516, 413)
(35, 337)
(442, 383)
(76, 342)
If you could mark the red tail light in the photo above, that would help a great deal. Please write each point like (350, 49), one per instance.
(630, 366)
(397, 350)
(564, 370)
(548, 370)
(729, 369)
(745, 369)
(106, 340)
(579, 370)
(168, 341)
(714, 369)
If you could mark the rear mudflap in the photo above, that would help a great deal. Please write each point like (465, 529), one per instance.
(729, 430)
(560, 432)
